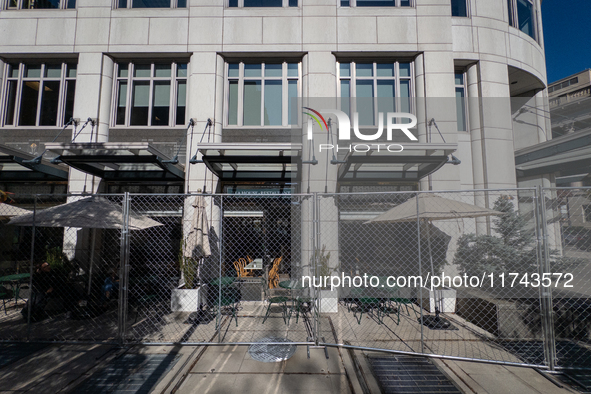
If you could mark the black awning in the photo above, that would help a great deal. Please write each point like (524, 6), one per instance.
(116, 162)
(413, 163)
(19, 166)
(253, 162)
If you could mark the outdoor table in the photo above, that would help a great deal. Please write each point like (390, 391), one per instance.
(223, 281)
(296, 303)
(291, 284)
(15, 282)
(256, 264)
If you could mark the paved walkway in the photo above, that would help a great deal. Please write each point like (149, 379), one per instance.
(229, 369)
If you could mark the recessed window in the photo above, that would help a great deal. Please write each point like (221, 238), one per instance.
(262, 94)
(565, 84)
(262, 3)
(151, 3)
(459, 8)
(40, 4)
(376, 3)
(369, 88)
(39, 94)
(460, 82)
(522, 16)
(150, 94)
(587, 213)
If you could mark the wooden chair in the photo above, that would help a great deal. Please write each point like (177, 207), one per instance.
(243, 263)
(238, 269)
(280, 300)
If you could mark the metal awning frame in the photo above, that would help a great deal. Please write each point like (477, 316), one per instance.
(71, 154)
(429, 162)
(214, 162)
(44, 170)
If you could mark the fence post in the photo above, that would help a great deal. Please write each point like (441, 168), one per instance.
(124, 269)
(546, 305)
(316, 249)
(420, 274)
(221, 248)
(31, 271)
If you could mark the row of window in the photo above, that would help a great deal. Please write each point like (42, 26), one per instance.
(521, 12)
(257, 94)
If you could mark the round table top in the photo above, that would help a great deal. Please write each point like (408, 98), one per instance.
(291, 284)
(14, 277)
(223, 281)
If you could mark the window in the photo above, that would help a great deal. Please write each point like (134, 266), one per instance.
(40, 4)
(369, 88)
(587, 213)
(262, 94)
(262, 3)
(376, 3)
(39, 94)
(459, 8)
(151, 3)
(150, 94)
(461, 101)
(522, 16)
(565, 84)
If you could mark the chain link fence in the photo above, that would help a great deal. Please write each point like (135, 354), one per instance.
(500, 275)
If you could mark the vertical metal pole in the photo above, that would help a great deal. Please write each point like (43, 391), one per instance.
(124, 269)
(546, 305)
(221, 237)
(316, 250)
(420, 275)
(31, 291)
(92, 246)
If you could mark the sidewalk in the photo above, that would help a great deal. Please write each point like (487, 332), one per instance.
(228, 369)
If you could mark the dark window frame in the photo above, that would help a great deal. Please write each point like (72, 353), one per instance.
(460, 12)
(517, 19)
(133, 4)
(252, 3)
(376, 4)
(124, 76)
(39, 4)
(58, 106)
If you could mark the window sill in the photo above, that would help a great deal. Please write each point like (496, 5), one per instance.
(39, 13)
(150, 12)
(376, 11)
(234, 127)
(120, 127)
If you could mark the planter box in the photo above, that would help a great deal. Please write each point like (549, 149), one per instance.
(330, 301)
(446, 299)
(185, 300)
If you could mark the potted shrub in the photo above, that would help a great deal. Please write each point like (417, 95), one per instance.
(186, 299)
(329, 298)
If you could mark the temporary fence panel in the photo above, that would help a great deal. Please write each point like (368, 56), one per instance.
(404, 257)
(567, 241)
(498, 276)
(60, 264)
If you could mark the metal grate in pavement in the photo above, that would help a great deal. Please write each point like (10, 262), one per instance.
(11, 352)
(568, 354)
(130, 373)
(404, 374)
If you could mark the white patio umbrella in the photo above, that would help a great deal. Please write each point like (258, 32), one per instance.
(89, 212)
(8, 211)
(196, 245)
(431, 207)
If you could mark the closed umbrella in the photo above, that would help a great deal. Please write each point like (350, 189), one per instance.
(429, 208)
(196, 245)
